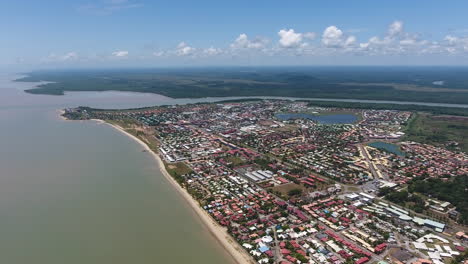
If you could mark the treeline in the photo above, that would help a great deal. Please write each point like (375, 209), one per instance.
(241, 100)
(410, 200)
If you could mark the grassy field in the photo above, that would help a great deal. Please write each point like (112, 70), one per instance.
(178, 168)
(438, 130)
(127, 123)
(135, 129)
(236, 161)
(284, 189)
(150, 140)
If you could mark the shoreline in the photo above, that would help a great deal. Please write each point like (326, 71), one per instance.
(238, 254)
(60, 113)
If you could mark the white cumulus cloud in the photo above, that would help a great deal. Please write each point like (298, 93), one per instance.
(243, 42)
(289, 38)
(333, 37)
(393, 40)
(395, 29)
(211, 51)
(351, 40)
(183, 49)
(456, 44)
(120, 53)
(397, 41)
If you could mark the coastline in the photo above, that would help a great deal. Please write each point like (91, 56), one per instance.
(60, 113)
(238, 254)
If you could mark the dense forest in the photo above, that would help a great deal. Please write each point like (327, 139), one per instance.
(422, 84)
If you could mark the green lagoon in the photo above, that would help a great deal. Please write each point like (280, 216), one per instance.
(389, 147)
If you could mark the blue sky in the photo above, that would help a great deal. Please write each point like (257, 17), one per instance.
(105, 33)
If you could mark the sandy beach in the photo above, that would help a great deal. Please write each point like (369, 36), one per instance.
(238, 254)
(60, 113)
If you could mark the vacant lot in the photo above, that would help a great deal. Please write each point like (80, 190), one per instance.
(178, 168)
(285, 188)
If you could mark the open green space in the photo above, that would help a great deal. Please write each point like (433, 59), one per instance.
(177, 169)
(287, 190)
(449, 131)
(234, 161)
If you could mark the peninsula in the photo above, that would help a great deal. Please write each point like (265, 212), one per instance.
(291, 182)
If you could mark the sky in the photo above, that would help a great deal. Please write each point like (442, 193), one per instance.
(166, 33)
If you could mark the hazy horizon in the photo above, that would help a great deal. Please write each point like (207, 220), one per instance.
(224, 67)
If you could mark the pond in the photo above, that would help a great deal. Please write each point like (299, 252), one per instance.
(322, 119)
(389, 147)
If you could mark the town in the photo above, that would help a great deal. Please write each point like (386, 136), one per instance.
(296, 183)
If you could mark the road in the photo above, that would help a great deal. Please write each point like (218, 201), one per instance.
(369, 161)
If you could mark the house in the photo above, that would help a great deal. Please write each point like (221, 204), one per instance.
(362, 260)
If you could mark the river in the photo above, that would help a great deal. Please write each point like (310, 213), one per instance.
(81, 192)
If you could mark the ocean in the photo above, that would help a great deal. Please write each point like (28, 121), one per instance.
(82, 192)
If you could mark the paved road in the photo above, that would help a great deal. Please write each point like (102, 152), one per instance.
(372, 167)
(278, 256)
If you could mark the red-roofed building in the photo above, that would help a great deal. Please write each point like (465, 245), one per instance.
(362, 260)
(379, 248)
